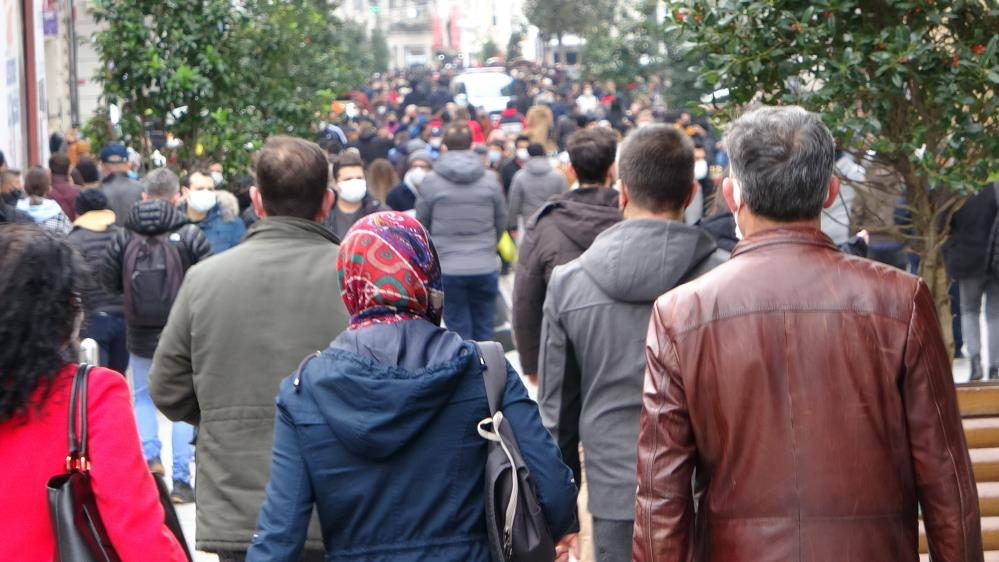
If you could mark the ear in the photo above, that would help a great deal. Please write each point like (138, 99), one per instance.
(175, 199)
(328, 199)
(728, 191)
(258, 204)
(185, 191)
(622, 195)
(693, 193)
(833, 192)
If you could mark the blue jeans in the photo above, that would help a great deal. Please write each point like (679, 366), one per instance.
(145, 417)
(108, 330)
(470, 305)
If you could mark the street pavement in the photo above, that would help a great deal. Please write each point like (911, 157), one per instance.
(186, 513)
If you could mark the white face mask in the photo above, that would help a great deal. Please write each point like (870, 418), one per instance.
(353, 191)
(414, 177)
(202, 200)
(522, 154)
(701, 169)
(217, 178)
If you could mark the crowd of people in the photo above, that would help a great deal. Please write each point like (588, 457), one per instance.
(355, 297)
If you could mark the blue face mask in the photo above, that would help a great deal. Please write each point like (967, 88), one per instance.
(132, 174)
(495, 156)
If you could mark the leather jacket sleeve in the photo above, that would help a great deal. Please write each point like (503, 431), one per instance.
(664, 507)
(944, 480)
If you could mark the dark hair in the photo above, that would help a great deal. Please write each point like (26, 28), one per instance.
(3, 159)
(782, 159)
(347, 159)
(592, 152)
(241, 183)
(37, 181)
(458, 137)
(498, 144)
(535, 149)
(90, 200)
(521, 138)
(59, 164)
(40, 279)
(88, 170)
(657, 166)
(292, 176)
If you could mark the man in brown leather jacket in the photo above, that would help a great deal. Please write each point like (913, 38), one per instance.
(807, 392)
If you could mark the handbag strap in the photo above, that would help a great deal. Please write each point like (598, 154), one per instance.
(493, 361)
(77, 458)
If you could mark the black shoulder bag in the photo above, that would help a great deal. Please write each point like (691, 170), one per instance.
(79, 531)
(518, 530)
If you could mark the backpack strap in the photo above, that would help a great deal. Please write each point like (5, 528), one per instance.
(493, 362)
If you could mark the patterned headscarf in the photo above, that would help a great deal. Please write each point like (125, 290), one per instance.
(389, 271)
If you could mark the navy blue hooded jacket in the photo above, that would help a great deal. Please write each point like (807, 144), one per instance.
(379, 432)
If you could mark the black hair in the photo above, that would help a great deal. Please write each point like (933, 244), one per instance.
(3, 159)
(522, 138)
(292, 176)
(41, 281)
(592, 153)
(88, 170)
(536, 149)
(657, 166)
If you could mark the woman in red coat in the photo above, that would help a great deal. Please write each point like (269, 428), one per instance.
(41, 281)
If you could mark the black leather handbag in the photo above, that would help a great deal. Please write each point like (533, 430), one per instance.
(79, 530)
(76, 523)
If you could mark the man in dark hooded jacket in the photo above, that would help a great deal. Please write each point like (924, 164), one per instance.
(562, 230)
(591, 380)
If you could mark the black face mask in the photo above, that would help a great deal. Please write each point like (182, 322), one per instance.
(12, 197)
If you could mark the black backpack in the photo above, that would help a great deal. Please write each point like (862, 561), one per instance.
(516, 524)
(152, 273)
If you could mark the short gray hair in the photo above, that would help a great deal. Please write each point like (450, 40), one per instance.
(161, 184)
(783, 158)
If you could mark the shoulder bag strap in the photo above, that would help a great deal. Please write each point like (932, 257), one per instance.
(494, 372)
(78, 416)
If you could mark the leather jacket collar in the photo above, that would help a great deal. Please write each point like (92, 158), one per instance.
(784, 235)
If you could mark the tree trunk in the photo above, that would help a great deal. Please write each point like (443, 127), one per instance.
(561, 51)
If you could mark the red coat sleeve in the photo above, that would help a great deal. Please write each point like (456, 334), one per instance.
(126, 493)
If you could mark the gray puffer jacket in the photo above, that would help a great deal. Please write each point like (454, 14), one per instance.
(592, 363)
(532, 186)
(463, 209)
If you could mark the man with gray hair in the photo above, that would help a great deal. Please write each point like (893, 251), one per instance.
(147, 261)
(807, 393)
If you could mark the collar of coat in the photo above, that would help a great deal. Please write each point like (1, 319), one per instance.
(784, 235)
(289, 227)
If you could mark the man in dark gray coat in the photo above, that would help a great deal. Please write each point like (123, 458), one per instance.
(243, 321)
(533, 185)
(462, 208)
(596, 314)
(122, 191)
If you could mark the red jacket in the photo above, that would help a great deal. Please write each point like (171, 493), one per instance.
(33, 447)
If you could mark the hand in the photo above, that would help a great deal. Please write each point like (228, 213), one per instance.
(533, 378)
(568, 544)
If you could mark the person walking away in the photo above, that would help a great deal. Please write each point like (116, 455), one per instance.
(533, 185)
(560, 232)
(122, 191)
(381, 179)
(41, 278)
(973, 239)
(89, 174)
(396, 367)
(104, 317)
(146, 261)
(463, 209)
(352, 198)
(43, 211)
(805, 392)
(591, 380)
(220, 361)
(403, 196)
(202, 208)
(64, 191)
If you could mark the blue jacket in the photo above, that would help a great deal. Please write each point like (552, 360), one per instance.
(220, 234)
(380, 434)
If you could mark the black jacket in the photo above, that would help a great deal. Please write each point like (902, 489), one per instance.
(401, 198)
(371, 147)
(151, 218)
(967, 247)
(560, 232)
(91, 236)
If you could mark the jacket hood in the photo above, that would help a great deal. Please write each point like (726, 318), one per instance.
(378, 387)
(582, 214)
(639, 260)
(39, 213)
(96, 221)
(460, 166)
(538, 165)
(154, 217)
